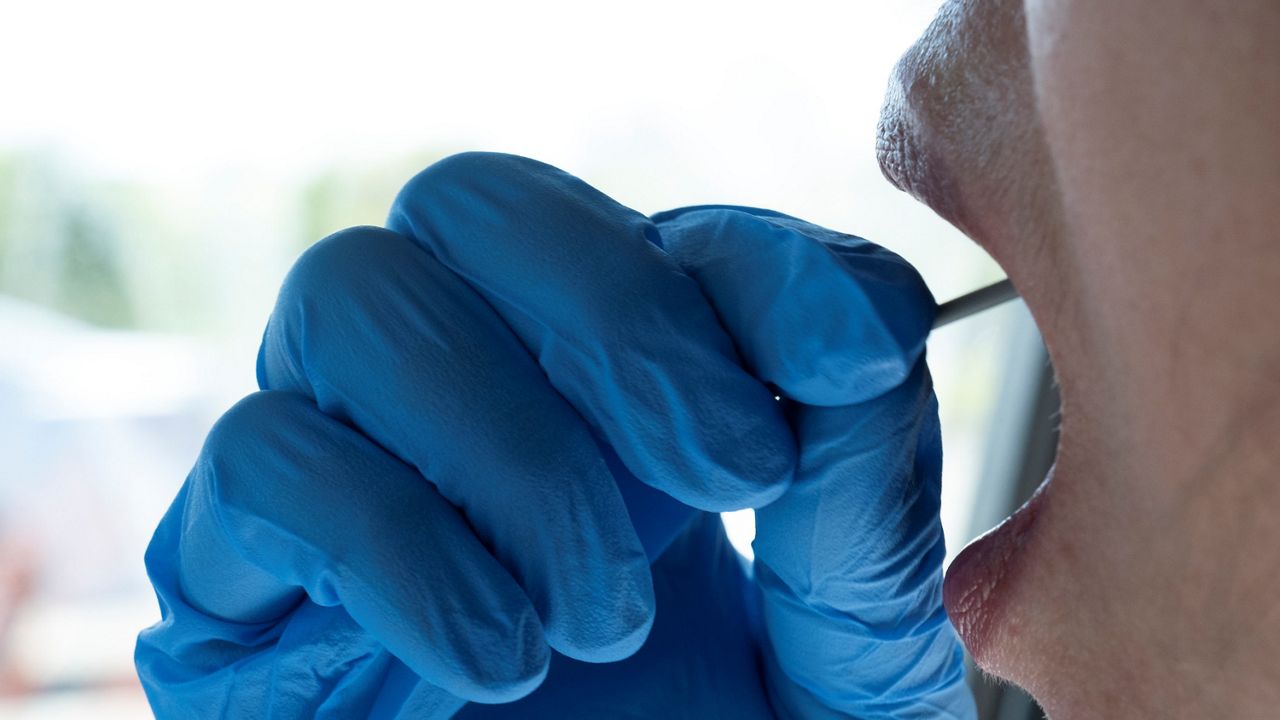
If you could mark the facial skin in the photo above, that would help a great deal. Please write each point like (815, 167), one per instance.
(1122, 163)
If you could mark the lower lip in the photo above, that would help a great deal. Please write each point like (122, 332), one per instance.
(977, 585)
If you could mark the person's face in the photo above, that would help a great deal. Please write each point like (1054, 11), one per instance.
(959, 132)
(1082, 596)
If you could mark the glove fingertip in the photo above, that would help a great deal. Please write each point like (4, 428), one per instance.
(769, 479)
(506, 689)
(497, 664)
(759, 470)
(830, 319)
(619, 640)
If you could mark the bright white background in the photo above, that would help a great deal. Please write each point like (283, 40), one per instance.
(162, 163)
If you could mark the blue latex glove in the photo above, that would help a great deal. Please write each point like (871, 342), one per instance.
(842, 614)
(422, 504)
(404, 616)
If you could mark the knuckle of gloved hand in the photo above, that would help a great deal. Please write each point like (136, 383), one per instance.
(332, 279)
(328, 289)
(245, 441)
(472, 170)
(342, 263)
(474, 203)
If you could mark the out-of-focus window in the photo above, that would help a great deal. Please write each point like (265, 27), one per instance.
(162, 164)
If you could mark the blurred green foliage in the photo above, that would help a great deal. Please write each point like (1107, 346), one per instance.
(174, 256)
(60, 245)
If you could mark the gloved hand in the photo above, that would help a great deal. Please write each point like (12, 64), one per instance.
(412, 515)
(842, 614)
(309, 570)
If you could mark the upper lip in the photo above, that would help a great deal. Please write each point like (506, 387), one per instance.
(906, 159)
(892, 146)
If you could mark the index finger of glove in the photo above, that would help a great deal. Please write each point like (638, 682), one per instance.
(620, 331)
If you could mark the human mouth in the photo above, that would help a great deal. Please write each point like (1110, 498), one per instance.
(978, 584)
